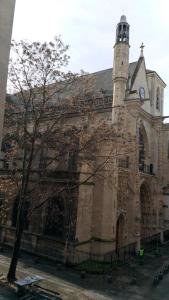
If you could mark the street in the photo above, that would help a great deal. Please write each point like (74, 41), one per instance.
(132, 281)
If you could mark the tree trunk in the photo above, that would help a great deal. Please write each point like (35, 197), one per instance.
(20, 217)
(11, 276)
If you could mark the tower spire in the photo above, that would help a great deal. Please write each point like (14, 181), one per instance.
(120, 66)
(122, 30)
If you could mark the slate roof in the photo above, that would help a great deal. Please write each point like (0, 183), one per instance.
(103, 79)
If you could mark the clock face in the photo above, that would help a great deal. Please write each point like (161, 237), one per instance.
(142, 92)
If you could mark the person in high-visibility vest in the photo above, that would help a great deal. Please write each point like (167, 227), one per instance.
(141, 255)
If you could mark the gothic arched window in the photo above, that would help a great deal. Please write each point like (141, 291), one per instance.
(2, 200)
(54, 225)
(15, 212)
(25, 213)
(141, 151)
(2, 197)
(158, 98)
(143, 148)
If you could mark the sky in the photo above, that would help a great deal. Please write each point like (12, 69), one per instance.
(88, 26)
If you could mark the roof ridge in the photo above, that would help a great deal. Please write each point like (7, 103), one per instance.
(103, 70)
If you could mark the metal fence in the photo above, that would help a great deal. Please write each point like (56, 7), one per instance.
(100, 263)
(166, 236)
(151, 243)
(122, 255)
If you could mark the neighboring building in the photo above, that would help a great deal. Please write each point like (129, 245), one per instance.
(126, 204)
(6, 21)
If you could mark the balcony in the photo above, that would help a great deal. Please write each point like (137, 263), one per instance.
(147, 169)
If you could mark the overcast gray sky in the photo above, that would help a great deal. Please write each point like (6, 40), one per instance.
(88, 26)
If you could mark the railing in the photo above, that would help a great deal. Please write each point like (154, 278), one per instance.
(91, 261)
(166, 235)
(147, 169)
(151, 242)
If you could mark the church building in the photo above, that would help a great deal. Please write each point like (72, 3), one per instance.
(128, 203)
(135, 209)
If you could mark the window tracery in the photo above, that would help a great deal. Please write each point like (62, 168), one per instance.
(25, 215)
(2, 197)
(54, 225)
(143, 148)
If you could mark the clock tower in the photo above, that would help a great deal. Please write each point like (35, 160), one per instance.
(120, 66)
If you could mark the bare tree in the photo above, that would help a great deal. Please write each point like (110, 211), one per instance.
(36, 115)
(38, 130)
(35, 120)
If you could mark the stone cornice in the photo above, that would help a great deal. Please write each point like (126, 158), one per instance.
(150, 73)
(137, 105)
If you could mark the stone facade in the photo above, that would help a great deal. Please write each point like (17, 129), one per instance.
(127, 202)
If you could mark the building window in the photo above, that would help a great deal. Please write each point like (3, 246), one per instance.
(141, 151)
(72, 161)
(14, 212)
(72, 156)
(3, 208)
(2, 197)
(43, 159)
(54, 225)
(25, 213)
(158, 98)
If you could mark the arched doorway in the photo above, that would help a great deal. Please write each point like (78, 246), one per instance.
(120, 232)
(145, 209)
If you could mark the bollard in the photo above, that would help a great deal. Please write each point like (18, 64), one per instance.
(160, 275)
(83, 274)
(109, 279)
(156, 280)
(133, 281)
(21, 292)
(165, 270)
(59, 267)
(36, 260)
